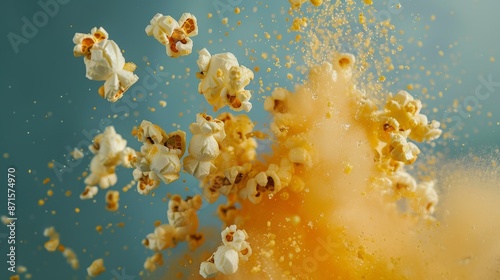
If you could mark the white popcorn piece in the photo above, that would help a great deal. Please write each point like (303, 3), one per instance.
(245, 251)
(182, 213)
(164, 162)
(213, 185)
(404, 108)
(104, 61)
(162, 238)
(208, 269)
(222, 81)
(226, 259)
(96, 268)
(234, 237)
(77, 154)
(107, 149)
(128, 156)
(174, 35)
(112, 200)
(146, 181)
(89, 192)
(204, 145)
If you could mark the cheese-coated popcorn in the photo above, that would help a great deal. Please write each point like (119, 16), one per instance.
(204, 145)
(425, 198)
(53, 242)
(162, 238)
(96, 268)
(223, 81)
(277, 103)
(401, 150)
(295, 4)
(425, 130)
(104, 61)
(174, 35)
(344, 64)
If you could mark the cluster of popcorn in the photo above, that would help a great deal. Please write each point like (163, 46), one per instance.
(227, 257)
(182, 226)
(223, 81)
(159, 157)
(395, 126)
(104, 61)
(53, 244)
(96, 268)
(172, 34)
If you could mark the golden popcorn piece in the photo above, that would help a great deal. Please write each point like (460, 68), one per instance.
(71, 258)
(261, 184)
(104, 61)
(174, 35)
(212, 186)
(77, 154)
(195, 240)
(152, 263)
(89, 192)
(401, 150)
(96, 268)
(425, 130)
(204, 145)
(222, 81)
(53, 243)
(295, 4)
(112, 200)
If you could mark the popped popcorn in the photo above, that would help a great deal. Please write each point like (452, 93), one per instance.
(77, 154)
(104, 61)
(174, 35)
(53, 242)
(222, 81)
(344, 64)
(96, 268)
(204, 145)
(89, 192)
(226, 258)
(263, 183)
(112, 200)
(159, 157)
(107, 149)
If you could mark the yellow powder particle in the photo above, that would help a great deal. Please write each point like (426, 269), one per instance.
(41, 202)
(237, 10)
(77, 210)
(46, 181)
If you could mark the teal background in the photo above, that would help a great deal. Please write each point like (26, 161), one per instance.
(47, 107)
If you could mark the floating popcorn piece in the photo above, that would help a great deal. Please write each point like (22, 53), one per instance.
(296, 3)
(277, 103)
(112, 200)
(164, 163)
(162, 238)
(104, 61)
(174, 35)
(146, 181)
(226, 260)
(107, 149)
(194, 241)
(425, 199)
(425, 131)
(402, 150)
(71, 258)
(153, 262)
(213, 185)
(208, 268)
(77, 154)
(234, 93)
(53, 243)
(234, 237)
(204, 145)
(89, 192)
(128, 156)
(344, 64)
(96, 268)
(222, 81)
